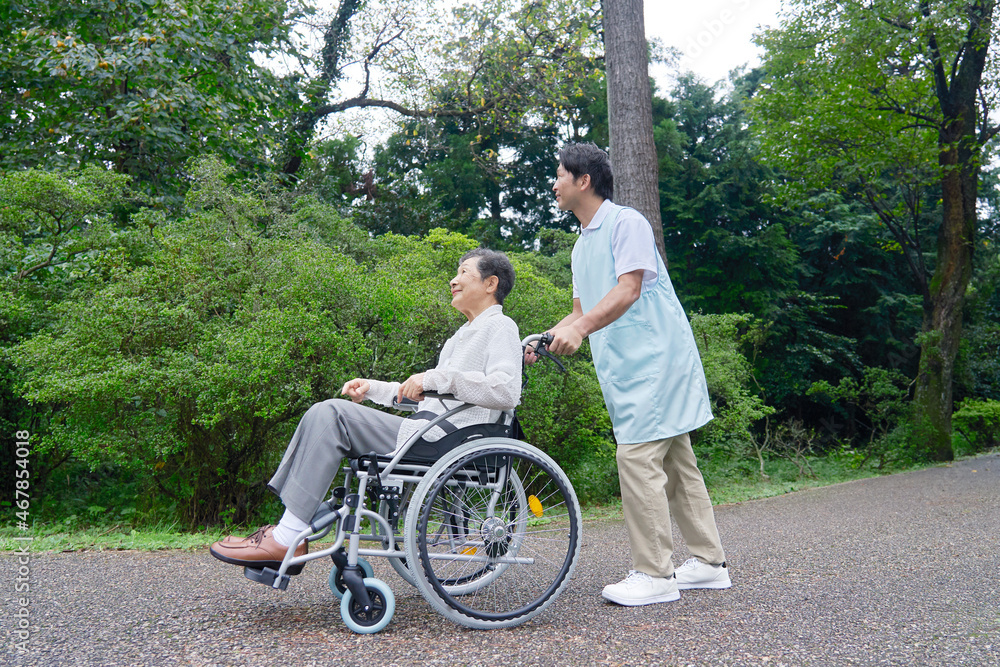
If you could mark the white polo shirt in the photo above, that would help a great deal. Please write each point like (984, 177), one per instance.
(632, 244)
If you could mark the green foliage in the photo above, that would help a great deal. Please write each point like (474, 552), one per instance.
(47, 220)
(564, 415)
(978, 422)
(139, 84)
(736, 401)
(729, 248)
(192, 366)
(495, 188)
(331, 171)
(977, 369)
(843, 87)
(876, 405)
(890, 105)
(554, 257)
(185, 367)
(58, 233)
(481, 158)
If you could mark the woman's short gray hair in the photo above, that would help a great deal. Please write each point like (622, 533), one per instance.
(493, 263)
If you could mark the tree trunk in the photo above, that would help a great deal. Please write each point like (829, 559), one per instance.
(630, 112)
(960, 150)
(337, 35)
(942, 328)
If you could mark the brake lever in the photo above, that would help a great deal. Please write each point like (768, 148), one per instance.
(541, 351)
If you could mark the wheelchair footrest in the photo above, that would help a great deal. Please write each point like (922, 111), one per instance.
(266, 576)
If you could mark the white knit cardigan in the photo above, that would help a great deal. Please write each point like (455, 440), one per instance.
(480, 364)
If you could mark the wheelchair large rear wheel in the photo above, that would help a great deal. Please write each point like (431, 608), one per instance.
(493, 533)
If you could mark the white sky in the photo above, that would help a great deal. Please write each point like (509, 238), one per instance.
(714, 35)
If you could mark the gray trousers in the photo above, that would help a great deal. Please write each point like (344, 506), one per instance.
(328, 432)
(661, 478)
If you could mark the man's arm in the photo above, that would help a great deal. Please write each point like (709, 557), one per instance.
(572, 317)
(568, 335)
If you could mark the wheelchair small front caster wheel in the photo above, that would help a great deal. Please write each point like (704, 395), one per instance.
(336, 581)
(375, 618)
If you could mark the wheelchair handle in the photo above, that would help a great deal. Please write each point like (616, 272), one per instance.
(543, 338)
(541, 343)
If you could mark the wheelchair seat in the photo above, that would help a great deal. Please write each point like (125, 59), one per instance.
(427, 452)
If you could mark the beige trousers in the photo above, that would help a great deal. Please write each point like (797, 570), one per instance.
(656, 478)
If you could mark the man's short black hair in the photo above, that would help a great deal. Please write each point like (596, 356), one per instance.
(493, 263)
(580, 159)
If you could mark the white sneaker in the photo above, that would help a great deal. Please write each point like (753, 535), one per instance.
(639, 588)
(695, 574)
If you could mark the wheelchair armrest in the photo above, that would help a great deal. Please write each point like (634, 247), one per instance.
(409, 405)
(434, 394)
(406, 405)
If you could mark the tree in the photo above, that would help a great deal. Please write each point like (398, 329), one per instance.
(890, 102)
(630, 112)
(729, 246)
(139, 84)
(503, 198)
(491, 65)
(146, 84)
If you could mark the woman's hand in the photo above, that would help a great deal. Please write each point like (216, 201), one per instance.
(413, 388)
(356, 389)
(530, 356)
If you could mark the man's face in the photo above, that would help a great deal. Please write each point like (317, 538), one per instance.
(568, 192)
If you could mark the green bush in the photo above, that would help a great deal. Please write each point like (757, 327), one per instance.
(978, 424)
(879, 401)
(189, 368)
(736, 401)
(186, 367)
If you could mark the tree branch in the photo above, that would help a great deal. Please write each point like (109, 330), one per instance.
(363, 102)
(929, 120)
(896, 23)
(986, 132)
(911, 249)
(940, 77)
(24, 273)
(371, 56)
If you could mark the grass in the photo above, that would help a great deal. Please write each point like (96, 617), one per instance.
(116, 537)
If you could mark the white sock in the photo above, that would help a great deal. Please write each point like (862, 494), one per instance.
(289, 526)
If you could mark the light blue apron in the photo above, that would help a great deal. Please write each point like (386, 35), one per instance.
(646, 360)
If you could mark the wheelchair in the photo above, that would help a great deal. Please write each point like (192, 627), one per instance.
(487, 527)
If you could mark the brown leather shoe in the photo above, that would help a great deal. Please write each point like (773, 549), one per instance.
(233, 539)
(258, 551)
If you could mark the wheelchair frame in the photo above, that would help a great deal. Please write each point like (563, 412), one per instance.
(486, 520)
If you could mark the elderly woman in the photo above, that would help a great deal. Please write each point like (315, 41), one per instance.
(480, 364)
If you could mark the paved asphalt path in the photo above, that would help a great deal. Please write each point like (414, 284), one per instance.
(899, 570)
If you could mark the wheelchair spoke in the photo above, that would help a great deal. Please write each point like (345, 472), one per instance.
(514, 534)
